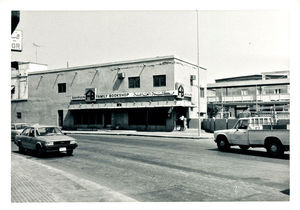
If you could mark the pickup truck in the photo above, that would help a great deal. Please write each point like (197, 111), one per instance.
(255, 132)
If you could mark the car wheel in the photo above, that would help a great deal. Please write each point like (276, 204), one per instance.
(275, 149)
(21, 148)
(244, 147)
(39, 151)
(70, 152)
(223, 144)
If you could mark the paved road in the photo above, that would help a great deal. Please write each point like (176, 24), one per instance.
(166, 169)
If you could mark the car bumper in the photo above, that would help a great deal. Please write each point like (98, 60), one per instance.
(55, 148)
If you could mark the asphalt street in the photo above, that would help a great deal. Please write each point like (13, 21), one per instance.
(171, 169)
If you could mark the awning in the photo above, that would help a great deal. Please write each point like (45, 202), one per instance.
(132, 105)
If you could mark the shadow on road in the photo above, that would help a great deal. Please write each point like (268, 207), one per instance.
(30, 154)
(286, 192)
(253, 153)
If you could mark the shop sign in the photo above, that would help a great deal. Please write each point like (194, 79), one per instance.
(90, 94)
(122, 95)
(180, 91)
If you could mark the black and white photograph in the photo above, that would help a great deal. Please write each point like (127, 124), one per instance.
(188, 106)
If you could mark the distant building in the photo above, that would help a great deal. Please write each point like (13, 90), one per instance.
(145, 94)
(19, 78)
(260, 94)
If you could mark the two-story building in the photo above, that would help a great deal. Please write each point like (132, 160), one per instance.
(259, 94)
(144, 94)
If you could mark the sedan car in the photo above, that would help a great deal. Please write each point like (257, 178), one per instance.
(16, 129)
(45, 139)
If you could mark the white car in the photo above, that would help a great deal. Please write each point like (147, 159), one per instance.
(45, 139)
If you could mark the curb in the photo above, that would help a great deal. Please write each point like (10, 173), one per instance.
(133, 134)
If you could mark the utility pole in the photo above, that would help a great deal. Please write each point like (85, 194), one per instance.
(199, 96)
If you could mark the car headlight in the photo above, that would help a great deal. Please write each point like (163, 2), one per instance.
(51, 143)
(73, 142)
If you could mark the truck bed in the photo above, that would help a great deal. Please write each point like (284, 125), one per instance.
(257, 137)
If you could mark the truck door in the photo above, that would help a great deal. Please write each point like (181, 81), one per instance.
(240, 135)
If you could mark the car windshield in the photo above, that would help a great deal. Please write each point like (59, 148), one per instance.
(47, 131)
(21, 126)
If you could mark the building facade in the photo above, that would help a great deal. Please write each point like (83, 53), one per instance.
(262, 94)
(145, 94)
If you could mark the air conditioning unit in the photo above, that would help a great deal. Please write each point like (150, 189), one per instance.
(121, 75)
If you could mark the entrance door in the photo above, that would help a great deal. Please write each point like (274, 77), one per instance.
(107, 119)
(60, 118)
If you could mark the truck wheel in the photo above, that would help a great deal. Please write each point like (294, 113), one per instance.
(275, 149)
(223, 144)
(244, 147)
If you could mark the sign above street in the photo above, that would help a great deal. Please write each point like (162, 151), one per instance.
(17, 41)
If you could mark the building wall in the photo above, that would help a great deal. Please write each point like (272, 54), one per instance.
(238, 98)
(183, 73)
(44, 101)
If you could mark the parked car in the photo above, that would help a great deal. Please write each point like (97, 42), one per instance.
(17, 128)
(45, 139)
(255, 132)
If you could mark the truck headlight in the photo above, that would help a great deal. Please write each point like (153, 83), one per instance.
(49, 143)
(73, 142)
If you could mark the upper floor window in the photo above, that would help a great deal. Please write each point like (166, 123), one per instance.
(61, 87)
(277, 91)
(244, 92)
(134, 82)
(159, 80)
(202, 92)
(13, 89)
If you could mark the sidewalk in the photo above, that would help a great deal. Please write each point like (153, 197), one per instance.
(187, 134)
(32, 181)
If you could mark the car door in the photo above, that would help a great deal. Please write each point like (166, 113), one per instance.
(240, 135)
(24, 138)
(31, 139)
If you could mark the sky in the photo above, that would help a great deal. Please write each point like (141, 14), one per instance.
(231, 42)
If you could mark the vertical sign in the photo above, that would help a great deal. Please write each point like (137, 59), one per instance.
(17, 41)
(180, 92)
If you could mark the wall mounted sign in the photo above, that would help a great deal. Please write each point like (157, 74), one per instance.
(180, 91)
(89, 96)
